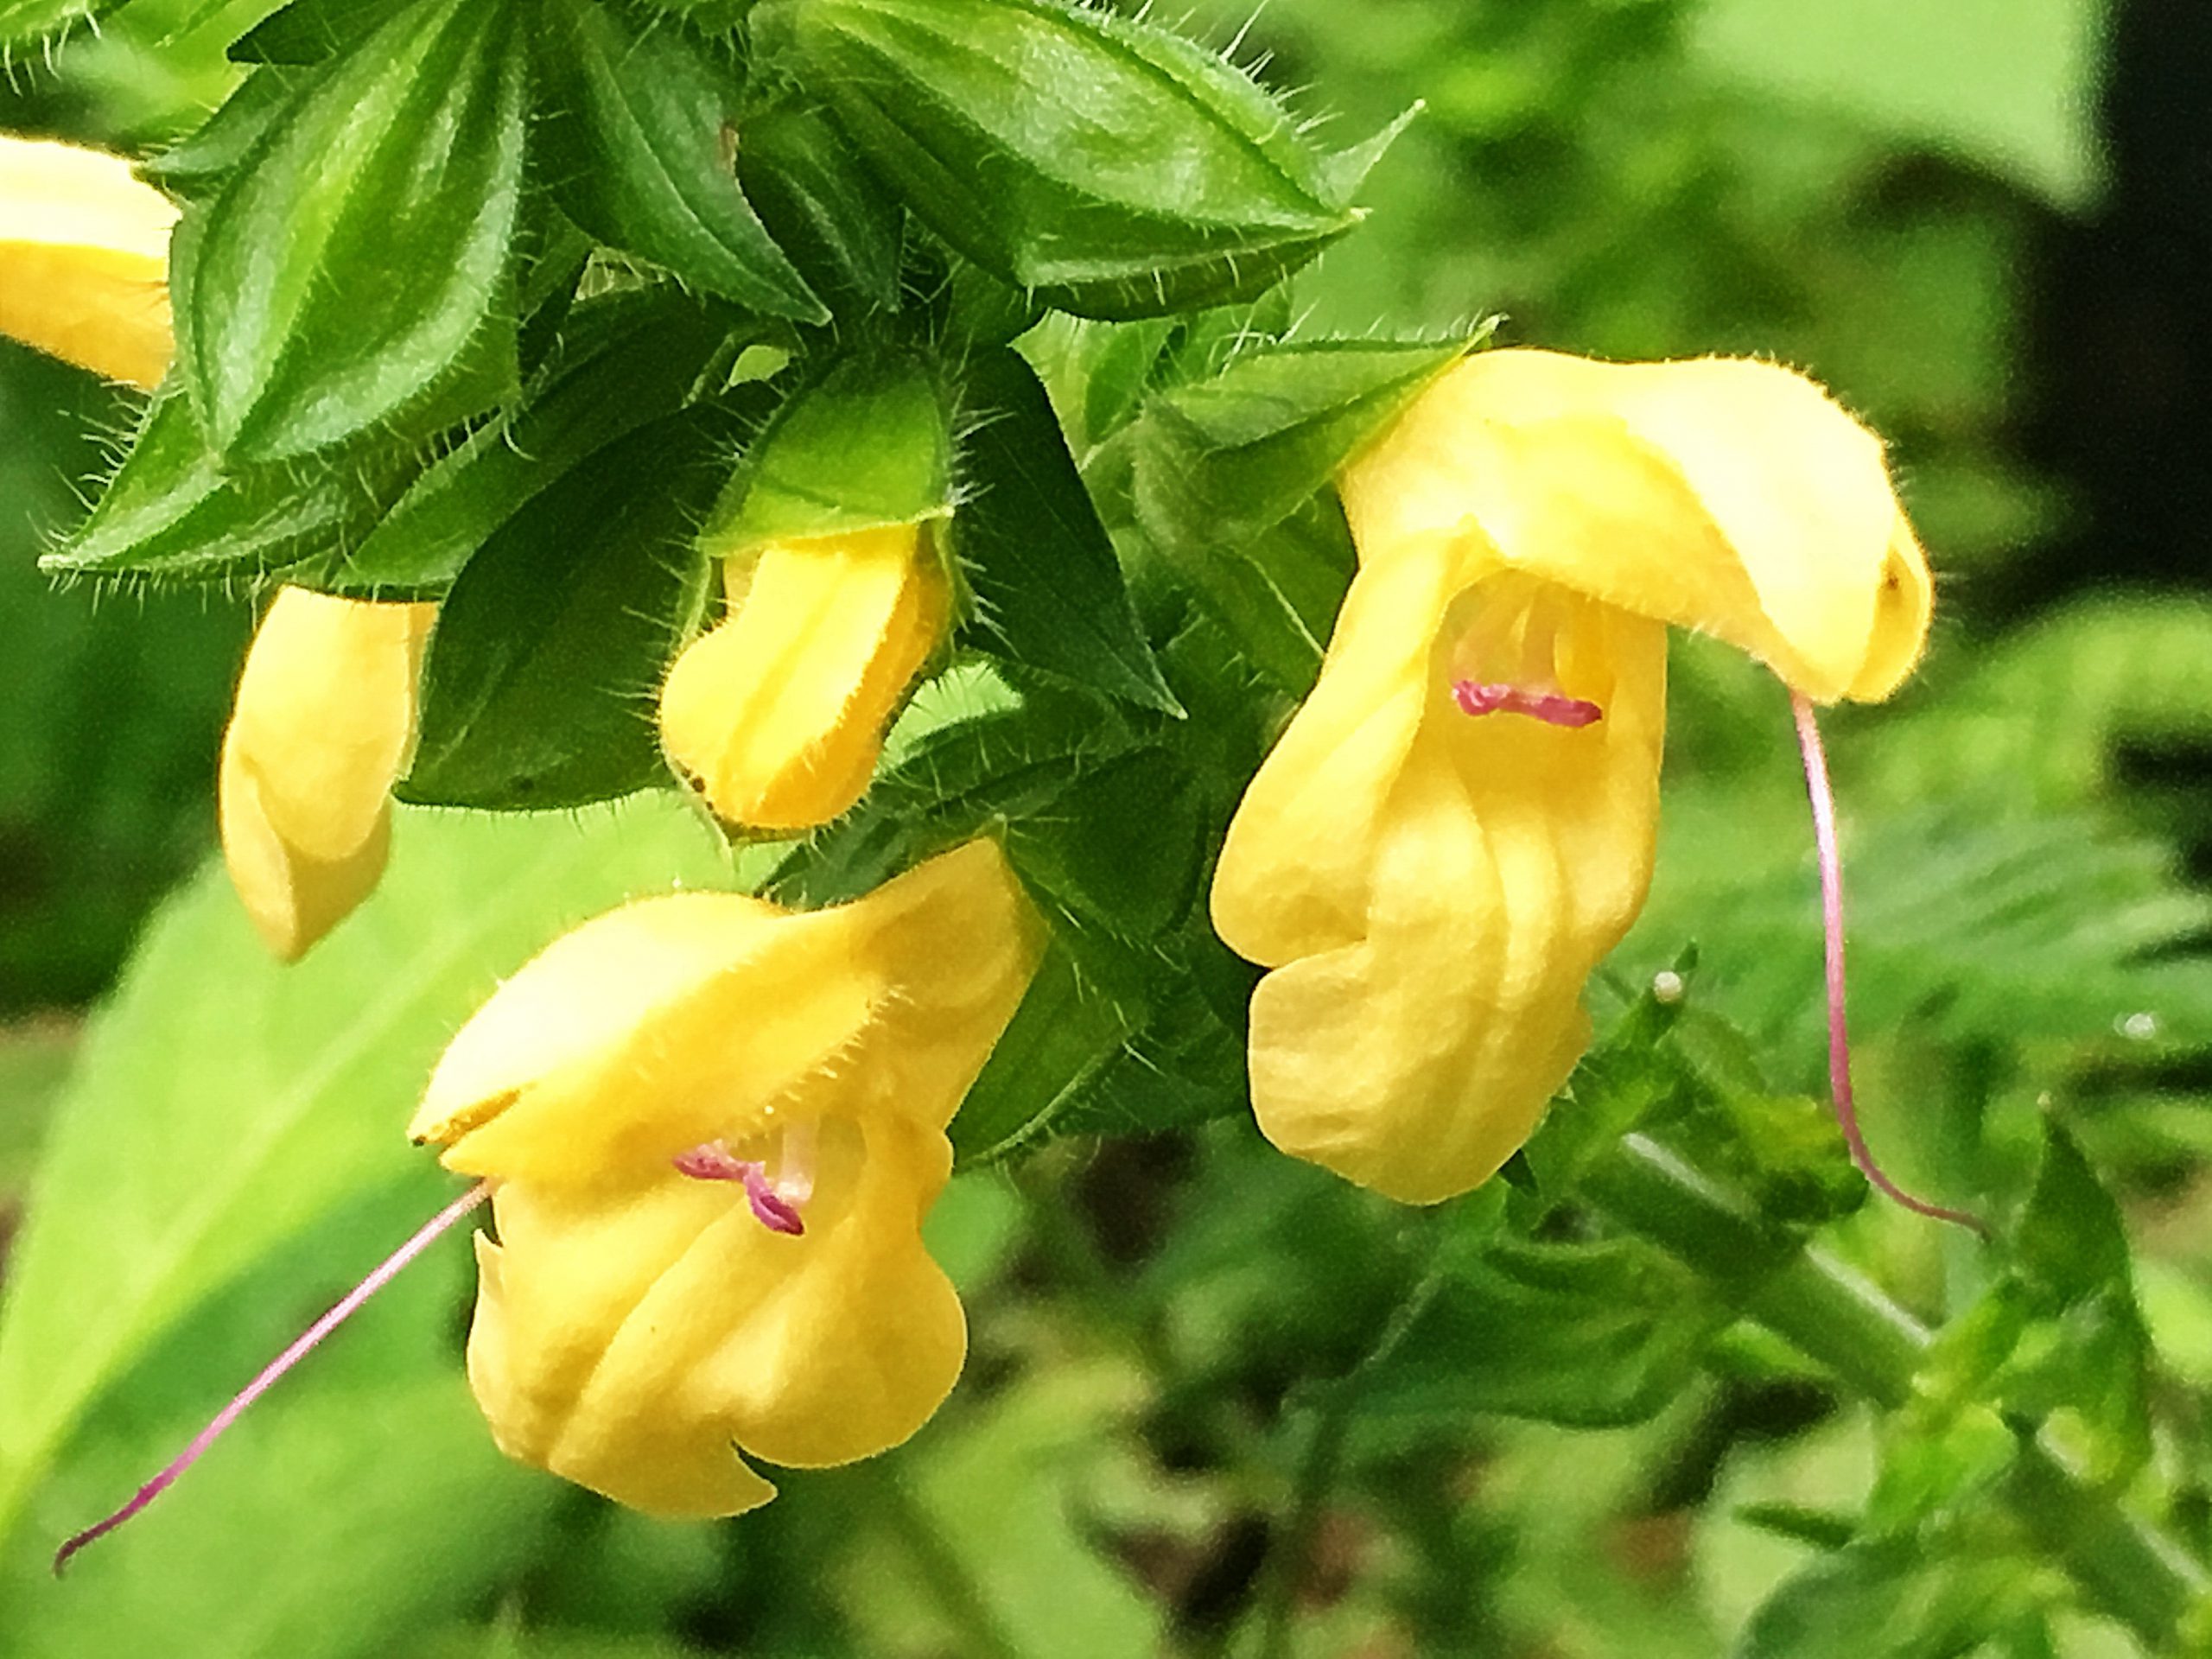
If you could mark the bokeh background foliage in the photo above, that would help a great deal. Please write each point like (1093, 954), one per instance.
(1219, 1403)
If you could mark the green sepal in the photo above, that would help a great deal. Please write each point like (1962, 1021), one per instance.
(541, 682)
(174, 512)
(620, 362)
(1046, 586)
(826, 211)
(633, 133)
(867, 445)
(1220, 461)
(1034, 138)
(357, 275)
(312, 31)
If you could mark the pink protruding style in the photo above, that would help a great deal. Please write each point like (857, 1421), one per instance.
(712, 1162)
(1846, 1111)
(1552, 707)
(380, 1275)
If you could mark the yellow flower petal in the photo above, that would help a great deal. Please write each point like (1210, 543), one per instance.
(323, 724)
(84, 259)
(637, 1320)
(627, 1337)
(1431, 890)
(1722, 494)
(779, 712)
(697, 1017)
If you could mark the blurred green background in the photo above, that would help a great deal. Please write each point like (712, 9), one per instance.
(1984, 224)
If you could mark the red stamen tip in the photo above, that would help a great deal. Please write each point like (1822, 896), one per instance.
(1846, 1110)
(380, 1275)
(1552, 707)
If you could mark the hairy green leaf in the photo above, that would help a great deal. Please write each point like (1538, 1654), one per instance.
(198, 165)
(175, 510)
(540, 686)
(1220, 461)
(358, 275)
(1034, 138)
(840, 226)
(619, 362)
(638, 139)
(312, 31)
(1047, 587)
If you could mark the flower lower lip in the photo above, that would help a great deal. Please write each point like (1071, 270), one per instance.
(1552, 707)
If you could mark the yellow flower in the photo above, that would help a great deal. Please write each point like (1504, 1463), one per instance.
(84, 259)
(715, 1127)
(324, 723)
(779, 712)
(1459, 822)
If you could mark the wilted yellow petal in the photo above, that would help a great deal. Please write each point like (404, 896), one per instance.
(699, 1017)
(84, 259)
(323, 724)
(1722, 494)
(779, 712)
(628, 1338)
(1448, 882)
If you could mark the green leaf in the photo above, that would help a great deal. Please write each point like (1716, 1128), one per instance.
(358, 274)
(1035, 139)
(2057, 1334)
(226, 1103)
(1904, 1599)
(619, 362)
(1047, 587)
(1594, 1335)
(312, 31)
(866, 445)
(543, 674)
(841, 229)
(175, 510)
(635, 136)
(1123, 846)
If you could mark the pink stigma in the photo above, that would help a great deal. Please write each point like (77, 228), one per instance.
(1847, 1112)
(1552, 707)
(712, 1162)
(380, 1275)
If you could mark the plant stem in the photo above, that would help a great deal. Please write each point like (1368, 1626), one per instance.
(942, 1574)
(1317, 1465)
(1835, 1315)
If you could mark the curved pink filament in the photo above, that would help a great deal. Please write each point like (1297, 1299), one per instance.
(712, 1162)
(1846, 1110)
(380, 1275)
(1552, 707)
